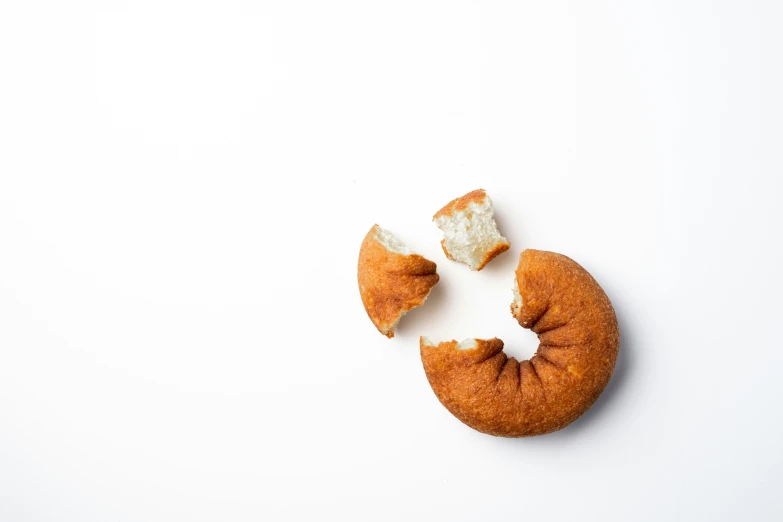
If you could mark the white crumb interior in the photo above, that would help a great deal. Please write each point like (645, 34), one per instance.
(467, 344)
(471, 233)
(391, 242)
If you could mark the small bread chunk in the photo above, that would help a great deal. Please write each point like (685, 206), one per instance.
(392, 279)
(470, 234)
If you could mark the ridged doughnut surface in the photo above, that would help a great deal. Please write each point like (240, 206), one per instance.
(578, 345)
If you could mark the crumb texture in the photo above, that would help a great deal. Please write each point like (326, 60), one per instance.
(392, 280)
(470, 234)
(391, 242)
(579, 342)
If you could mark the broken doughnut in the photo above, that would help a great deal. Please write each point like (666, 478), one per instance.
(392, 279)
(578, 345)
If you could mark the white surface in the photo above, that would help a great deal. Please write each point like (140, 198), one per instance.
(184, 188)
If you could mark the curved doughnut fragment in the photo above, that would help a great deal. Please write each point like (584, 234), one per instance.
(392, 279)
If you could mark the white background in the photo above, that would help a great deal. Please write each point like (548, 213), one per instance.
(184, 187)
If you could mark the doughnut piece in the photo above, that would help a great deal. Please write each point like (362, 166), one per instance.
(579, 341)
(470, 234)
(392, 279)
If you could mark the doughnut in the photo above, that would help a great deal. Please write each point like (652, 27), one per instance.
(470, 234)
(392, 279)
(578, 345)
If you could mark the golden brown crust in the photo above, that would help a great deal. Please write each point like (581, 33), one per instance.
(390, 283)
(461, 203)
(496, 251)
(579, 342)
